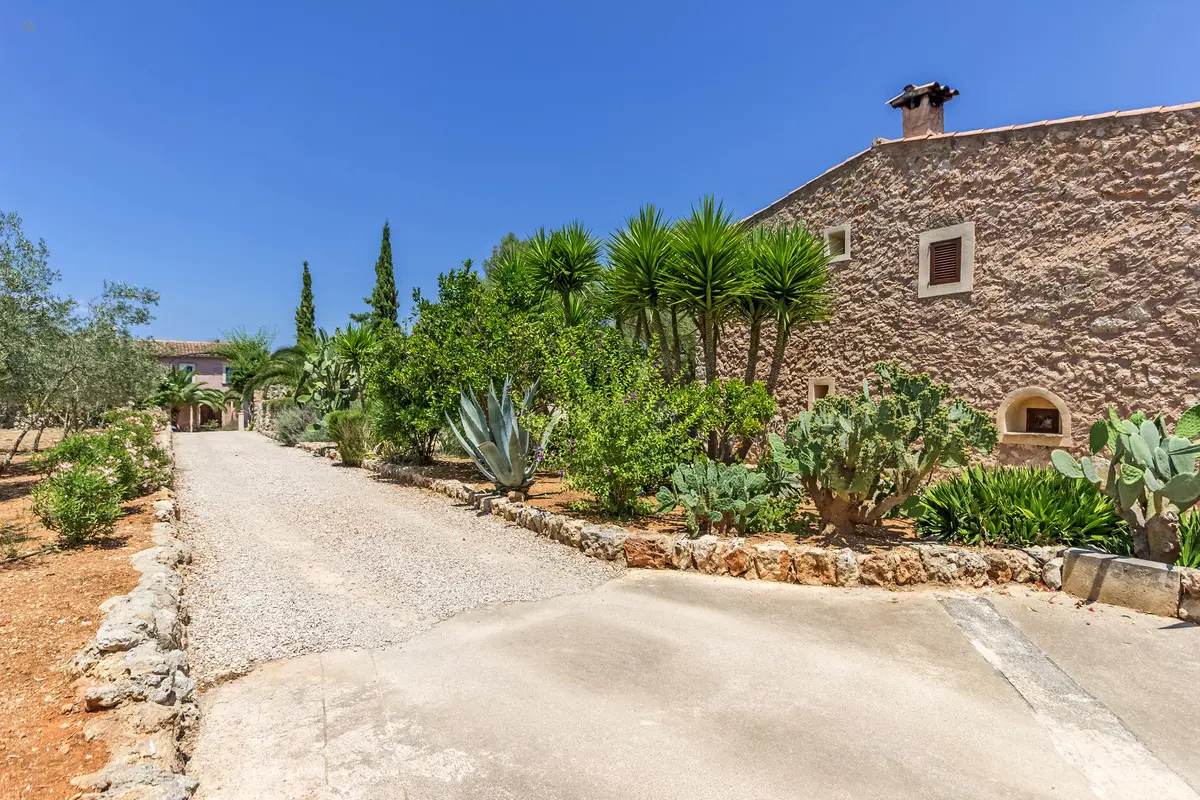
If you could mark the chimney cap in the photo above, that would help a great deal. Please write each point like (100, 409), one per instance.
(911, 96)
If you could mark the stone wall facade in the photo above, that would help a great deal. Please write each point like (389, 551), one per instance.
(1086, 279)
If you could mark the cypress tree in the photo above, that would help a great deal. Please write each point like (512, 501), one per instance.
(306, 314)
(383, 299)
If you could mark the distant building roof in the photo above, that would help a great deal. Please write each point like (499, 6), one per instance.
(171, 348)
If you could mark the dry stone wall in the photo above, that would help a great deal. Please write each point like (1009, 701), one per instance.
(1086, 278)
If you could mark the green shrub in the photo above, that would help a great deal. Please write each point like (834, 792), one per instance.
(1189, 540)
(125, 448)
(352, 433)
(1020, 507)
(734, 415)
(861, 458)
(291, 424)
(81, 501)
(715, 496)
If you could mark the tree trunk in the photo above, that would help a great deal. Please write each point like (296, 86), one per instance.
(752, 355)
(8, 457)
(664, 347)
(1162, 538)
(781, 337)
(837, 517)
(677, 355)
(37, 440)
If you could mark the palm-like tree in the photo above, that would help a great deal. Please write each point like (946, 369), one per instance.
(710, 274)
(791, 273)
(640, 256)
(566, 263)
(354, 347)
(178, 391)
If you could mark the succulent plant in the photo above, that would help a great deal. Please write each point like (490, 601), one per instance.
(497, 441)
(714, 494)
(862, 458)
(1151, 475)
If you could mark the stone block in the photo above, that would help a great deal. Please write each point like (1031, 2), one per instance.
(737, 559)
(814, 566)
(649, 550)
(1145, 586)
(900, 566)
(572, 533)
(704, 554)
(773, 561)
(846, 567)
(604, 541)
(1052, 573)
(1189, 600)
(681, 555)
(952, 566)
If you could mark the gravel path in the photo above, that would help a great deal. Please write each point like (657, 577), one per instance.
(294, 555)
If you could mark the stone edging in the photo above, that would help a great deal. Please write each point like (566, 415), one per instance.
(905, 565)
(137, 666)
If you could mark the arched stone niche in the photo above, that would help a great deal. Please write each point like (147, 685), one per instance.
(1034, 415)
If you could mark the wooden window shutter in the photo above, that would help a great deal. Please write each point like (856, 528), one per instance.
(945, 262)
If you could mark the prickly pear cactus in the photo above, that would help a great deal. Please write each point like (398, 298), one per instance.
(1150, 474)
(714, 495)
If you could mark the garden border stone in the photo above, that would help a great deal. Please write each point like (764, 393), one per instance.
(1146, 586)
(1140, 585)
(137, 665)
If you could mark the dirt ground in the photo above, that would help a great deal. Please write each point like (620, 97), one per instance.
(49, 608)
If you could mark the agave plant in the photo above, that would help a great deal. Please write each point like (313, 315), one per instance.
(498, 442)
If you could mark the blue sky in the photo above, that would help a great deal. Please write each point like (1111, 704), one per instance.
(207, 149)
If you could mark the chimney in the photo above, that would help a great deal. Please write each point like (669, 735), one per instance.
(922, 108)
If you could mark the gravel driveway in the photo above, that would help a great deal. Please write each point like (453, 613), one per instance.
(294, 555)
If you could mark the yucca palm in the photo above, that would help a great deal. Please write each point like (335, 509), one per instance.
(354, 347)
(640, 256)
(710, 274)
(565, 263)
(791, 275)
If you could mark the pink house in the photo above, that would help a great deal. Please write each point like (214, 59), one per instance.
(207, 368)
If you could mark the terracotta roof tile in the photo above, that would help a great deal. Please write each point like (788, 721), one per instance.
(166, 348)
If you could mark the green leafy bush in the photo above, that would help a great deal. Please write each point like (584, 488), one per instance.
(860, 459)
(352, 432)
(735, 413)
(1151, 475)
(126, 449)
(292, 423)
(715, 496)
(80, 500)
(1020, 507)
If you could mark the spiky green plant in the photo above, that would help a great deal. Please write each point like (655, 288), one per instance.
(1020, 507)
(354, 347)
(565, 263)
(180, 390)
(710, 274)
(714, 496)
(791, 286)
(499, 443)
(640, 255)
(1151, 475)
(1189, 540)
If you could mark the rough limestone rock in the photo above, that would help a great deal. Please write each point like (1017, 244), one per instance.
(554, 524)
(142, 781)
(164, 510)
(1189, 600)
(604, 541)
(681, 555)
(815, 566)
(898, 567)
(649, 550)
(704, 554)
(846, 567)
(952, 566)
(572, 533)
(773, 561)
(1052, 573)
(737, 559)
(1009, 566)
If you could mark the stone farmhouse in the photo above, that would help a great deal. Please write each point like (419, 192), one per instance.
(206, 367)
(1043, 270)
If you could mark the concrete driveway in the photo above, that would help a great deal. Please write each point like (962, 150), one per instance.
(423, 652)
(661, 685)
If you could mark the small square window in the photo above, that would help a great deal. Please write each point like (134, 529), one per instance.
(228, 374)
(837, 243)
(187, 369)
(945, 262)
(1043, 420)
(818, 388)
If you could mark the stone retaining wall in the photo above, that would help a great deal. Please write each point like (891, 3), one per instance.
(908, 565)
(137, 666)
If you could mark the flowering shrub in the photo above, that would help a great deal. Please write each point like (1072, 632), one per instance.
(79, 500)
(125, 450)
